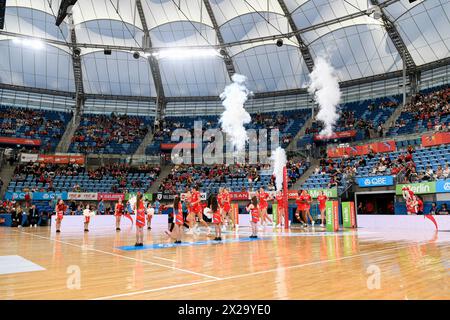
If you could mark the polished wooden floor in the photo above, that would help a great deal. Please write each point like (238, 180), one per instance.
(296, 265)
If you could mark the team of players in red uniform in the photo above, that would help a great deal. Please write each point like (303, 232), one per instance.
(219, 209)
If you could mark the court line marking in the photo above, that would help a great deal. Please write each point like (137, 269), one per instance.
(120, 295)
(122, 256)
(256, 273)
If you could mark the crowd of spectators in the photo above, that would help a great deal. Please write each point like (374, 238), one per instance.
(32, 124)
(45, 174)
(430, 108)
(103, 130)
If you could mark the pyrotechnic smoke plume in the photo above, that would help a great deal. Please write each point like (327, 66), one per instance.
(235, 116)
(278, 162)
(325, 87)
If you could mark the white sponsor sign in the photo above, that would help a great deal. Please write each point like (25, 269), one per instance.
(83, 196)
(27, 157)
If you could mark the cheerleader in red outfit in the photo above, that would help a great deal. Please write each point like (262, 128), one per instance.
(197, 209)
(322, 199)
(227, 207)
(263, 197)
(280, 207)
(307, 207)
(253, 208)
(177, 231)
(217, 218)
(60, 209)
(118, 212)
(139, 210)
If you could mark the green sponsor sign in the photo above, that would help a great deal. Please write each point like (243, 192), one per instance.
(347, 223)
(275, 213)
(417, 188)
(147, 196)
(329, 216)
(330, 193)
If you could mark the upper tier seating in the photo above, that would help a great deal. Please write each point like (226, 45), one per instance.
(361, 116)
(110, 134)
(44, 125)
(428, 110)
(288, 122)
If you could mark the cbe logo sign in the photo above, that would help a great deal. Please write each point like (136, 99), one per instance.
(443, 186)
(376, 181)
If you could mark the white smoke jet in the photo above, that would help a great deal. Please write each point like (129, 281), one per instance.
(278, 163)
(235, 116)
(325, 87)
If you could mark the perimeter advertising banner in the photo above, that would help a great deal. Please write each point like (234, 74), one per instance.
(378, 181)
(336, 135)
(61, 159)
(417, 188)
(348, 215)
(20, 141)
(332, 215)
(330, 193)
(442, 186)
(377, 147)
(86, 196)
(41, 196)
(435, 139)
(147, 196)
(110, 196)
(275, 213)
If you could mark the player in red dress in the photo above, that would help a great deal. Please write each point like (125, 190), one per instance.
(280, 207)
(139, 209)
(177, 231)
(322, 199)
(191, 215)
(253, 208)
(118, 212)
(197, 208)
(263, 197)
(300, 207)
(60, 209)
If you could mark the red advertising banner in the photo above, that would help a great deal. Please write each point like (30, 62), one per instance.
(336, 135)
(377, 147)
(111, 196)
(170, 146)
(21, 141)
(435, 139)
(61, 159)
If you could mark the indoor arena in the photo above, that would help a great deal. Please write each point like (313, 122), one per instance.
(224, 150)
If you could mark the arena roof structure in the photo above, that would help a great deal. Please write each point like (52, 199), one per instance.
(189, 48)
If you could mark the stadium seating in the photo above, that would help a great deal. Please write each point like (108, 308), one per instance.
(235, 178)
(360, 115)
(288, 122)
(109, 134)
(84, 181)
(47, 126)
(428, 110)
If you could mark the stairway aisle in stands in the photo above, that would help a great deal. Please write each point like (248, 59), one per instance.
(165, 171)
(6, 173)
(298, 184)
(63, 145)
(300, 134)
(148, 139)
